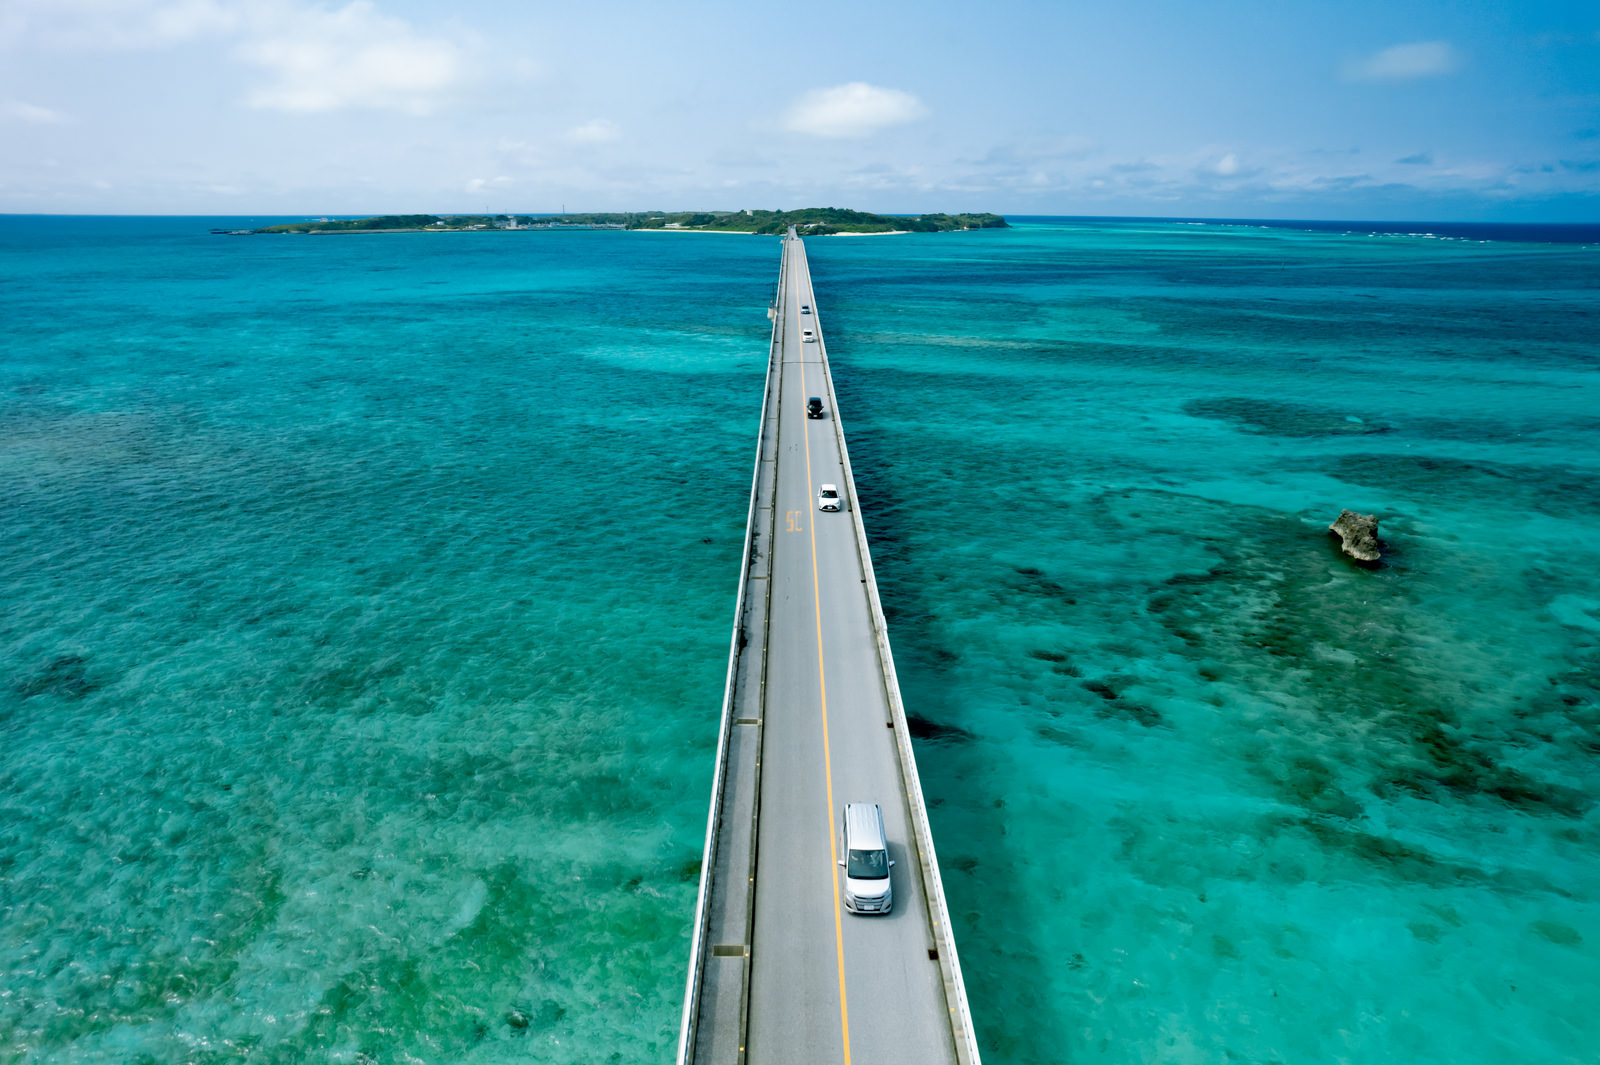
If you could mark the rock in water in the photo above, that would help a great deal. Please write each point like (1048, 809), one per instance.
(1358, 534)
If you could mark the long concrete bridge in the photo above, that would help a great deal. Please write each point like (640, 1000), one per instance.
(779, 971)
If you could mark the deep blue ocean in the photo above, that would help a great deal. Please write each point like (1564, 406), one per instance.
(364, 607)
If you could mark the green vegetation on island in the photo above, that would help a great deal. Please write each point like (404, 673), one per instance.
(809, 222)
(819, 221)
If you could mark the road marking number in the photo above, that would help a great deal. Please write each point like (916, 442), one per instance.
(794, 521)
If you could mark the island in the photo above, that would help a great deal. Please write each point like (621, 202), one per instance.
(808, 221)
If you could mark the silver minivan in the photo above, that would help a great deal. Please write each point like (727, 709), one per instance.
(865, 856)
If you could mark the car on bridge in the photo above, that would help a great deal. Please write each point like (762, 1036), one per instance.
(805, 308)
(814, 407)
(828, 497)
(807, 336)
(867, 888)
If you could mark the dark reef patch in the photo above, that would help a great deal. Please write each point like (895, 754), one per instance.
(1356, 653)
(1558, 932)
(66, 676)
(1553, 490)
(1034, 580)
(1138, 713)
(1266, 417)
(1501, 430)
(1401, 862)
(1314, 786)
(1101, 688)
(935, 732)
(1065, 737)
(1061, 664)
(1115, 706)
(1447, 763)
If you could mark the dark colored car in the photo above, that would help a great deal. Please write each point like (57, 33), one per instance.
(814, 407)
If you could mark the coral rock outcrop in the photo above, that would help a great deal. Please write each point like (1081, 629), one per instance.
(1358, 535)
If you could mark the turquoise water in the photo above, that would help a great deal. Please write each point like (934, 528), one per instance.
(365, 605)
(365, 622)
(1203, 790)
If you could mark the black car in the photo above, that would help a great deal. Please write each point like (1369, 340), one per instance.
(814, 407)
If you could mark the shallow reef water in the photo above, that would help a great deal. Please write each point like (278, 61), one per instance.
(1203, 788)
(365, 605)
(361, 661)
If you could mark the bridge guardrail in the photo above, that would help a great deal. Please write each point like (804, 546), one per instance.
(944, 938)
(691, 998)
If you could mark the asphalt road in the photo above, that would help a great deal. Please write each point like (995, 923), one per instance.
(827, 985)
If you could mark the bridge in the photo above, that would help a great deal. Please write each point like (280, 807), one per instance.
(779, 971)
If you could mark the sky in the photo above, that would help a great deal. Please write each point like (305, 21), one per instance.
(1472, 110)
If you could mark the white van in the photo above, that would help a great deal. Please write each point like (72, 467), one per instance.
(864, 853)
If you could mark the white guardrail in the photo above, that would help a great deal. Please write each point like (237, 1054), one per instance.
(955, 987)
(691, 997)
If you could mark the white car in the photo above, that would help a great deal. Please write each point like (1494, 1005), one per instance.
(866, 862)
(808, 336)
(805, 308)
(828, 497)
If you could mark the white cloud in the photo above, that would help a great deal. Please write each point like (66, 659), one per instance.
(595, 131)
(354, 57)
(316, 57)
(100, 25)
(853, 110)
(1228, 165)
(182, 20)
(18, 111)
(1405, 62)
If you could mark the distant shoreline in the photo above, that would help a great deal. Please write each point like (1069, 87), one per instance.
(808, 221)
(519, 229)
(526, 229)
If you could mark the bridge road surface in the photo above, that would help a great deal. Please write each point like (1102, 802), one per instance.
(827, 985)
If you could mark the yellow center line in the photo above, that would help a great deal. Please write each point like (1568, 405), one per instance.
(827, 758)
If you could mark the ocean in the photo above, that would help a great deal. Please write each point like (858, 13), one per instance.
(365, 605)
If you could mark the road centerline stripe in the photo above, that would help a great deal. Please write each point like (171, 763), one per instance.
(827, 758)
